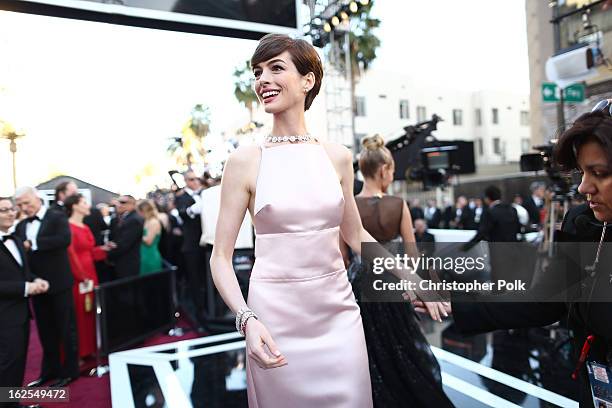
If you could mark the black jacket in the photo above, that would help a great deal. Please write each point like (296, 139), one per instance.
(532, 209)
(192, 227)
(127, 234)
(97, 225)
(426, 243)
(435, 220)
(465, 222)
(498, 223)
(583, 318)
(50, 260)
(417, 213)
(14, 309)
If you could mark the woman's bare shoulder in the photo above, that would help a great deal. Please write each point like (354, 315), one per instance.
(245, 156)
(339, 153)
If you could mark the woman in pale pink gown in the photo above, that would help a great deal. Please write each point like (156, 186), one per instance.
(305, 345)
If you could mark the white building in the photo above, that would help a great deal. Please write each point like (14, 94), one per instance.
(497, 122)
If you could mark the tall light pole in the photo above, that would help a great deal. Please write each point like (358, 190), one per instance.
(9, 133)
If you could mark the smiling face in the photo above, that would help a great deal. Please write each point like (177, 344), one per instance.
(279, 85)
(596, 179)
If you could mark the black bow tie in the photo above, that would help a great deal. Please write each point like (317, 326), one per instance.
(34, 218)
(7, 237)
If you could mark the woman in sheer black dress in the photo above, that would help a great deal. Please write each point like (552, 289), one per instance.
(403, 369)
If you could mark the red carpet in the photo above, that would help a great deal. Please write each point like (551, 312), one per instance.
(90, 392)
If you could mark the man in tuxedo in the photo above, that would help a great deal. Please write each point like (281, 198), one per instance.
(189, 206)
(499, 223)
(416, 211)
(46, 237)
(460, 216)
(432, 214)
(126, 234)
(63, 190)
(534, 203)
(16, 285)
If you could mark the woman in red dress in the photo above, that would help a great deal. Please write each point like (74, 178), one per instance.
(82, 253)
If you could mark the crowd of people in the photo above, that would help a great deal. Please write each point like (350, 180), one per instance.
(57, 254)
(310, 340)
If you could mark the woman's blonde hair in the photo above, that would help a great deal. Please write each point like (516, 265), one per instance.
(147, 208)
(373, 155)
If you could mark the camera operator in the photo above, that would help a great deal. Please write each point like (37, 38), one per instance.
(586, 146)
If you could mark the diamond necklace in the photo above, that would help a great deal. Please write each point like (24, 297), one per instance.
(291, 138)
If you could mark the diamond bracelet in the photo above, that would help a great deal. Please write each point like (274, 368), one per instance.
(242, 317)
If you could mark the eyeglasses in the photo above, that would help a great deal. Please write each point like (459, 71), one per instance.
(6, 210)
(603, 106)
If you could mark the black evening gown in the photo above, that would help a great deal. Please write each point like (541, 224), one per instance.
(403, 369)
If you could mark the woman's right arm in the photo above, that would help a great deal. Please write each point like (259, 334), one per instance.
(235, 196)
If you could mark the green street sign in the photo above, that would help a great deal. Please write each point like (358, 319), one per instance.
(550, 92)
(574, 93)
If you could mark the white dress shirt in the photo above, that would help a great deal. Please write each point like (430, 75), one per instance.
(195, 208)
(211, 204)
(32, 228)
(537, 201)
(12, 247)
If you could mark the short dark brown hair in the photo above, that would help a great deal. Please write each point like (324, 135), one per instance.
(71, 201)
(61, 188)
(590, 127)
(303, 56)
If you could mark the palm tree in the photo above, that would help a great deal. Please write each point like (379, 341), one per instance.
(243, 88)
(188, 148)
(363, 42)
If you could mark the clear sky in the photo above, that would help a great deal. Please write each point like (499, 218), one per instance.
(99, 101)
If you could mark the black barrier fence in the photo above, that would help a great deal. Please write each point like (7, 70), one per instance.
(219, 317)
(130, 310)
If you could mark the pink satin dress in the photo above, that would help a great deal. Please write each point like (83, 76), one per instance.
(299, 286)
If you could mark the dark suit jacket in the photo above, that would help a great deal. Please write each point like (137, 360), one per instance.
(426, 243)
(532, 209)
(466, 221)
(435, 220)
(127, 234)
(498, 224)
(416, 213)
(14, 310)
(95, 222)
(50, 260)
(192, 227)
(582, 318)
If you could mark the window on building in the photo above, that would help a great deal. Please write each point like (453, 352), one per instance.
(495, 116)
(478, 117)
(403, 106)
(524, 118)
(421, 113)
(457, 117)
(480, 146)
(360, 106)
(496, 145)
(525, 145)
